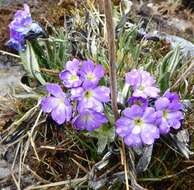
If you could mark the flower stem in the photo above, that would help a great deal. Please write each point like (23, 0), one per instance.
(112, 73)
(112, 57)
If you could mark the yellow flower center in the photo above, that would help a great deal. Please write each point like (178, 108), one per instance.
(61, 102)
(139, 103)
(141, 88)
(165, 114)
(73, 78)
(90, 76)
(88, 94)
(87, 117)
(138, 122)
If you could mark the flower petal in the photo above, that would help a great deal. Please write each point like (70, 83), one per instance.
(87, 66)
(91, 103)
(123, 126)
(99, 71)
(172, 96)
(147, 138)
(162, 103)
(89, 120)
(133, 140)
(55, 90)
(133, 78)
(136, 130)
(48, 104)
(133, 111)
(149, 115)
(175, 115)
(61, 114)
(164, 127)
(77, 93)
(70, 80)
(138, 101)
(102, 94)
(152, 91)
(73, 66)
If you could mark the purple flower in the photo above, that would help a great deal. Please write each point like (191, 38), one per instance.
(168, 112)
(70, 76)
(89, 120)
(91, 74)
(142, 102)
(142, 83)
(20, 27)
(91, 98)
(57, 103)
(137, 126)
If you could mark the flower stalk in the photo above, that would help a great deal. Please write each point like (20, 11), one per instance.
(112, 57)
(112, 73)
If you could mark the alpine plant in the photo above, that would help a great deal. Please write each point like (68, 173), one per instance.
(141, 122)
(80, 99)
(83, 102)
(23, 27)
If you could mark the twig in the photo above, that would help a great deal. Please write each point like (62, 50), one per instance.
(20, 165)
(125, 165)
(53, 72)
(168, 176)
(80, 166)
(52, 148)
(15, 181)
(34, 173)
(10, 54)
(79, 157)
(74, 183)
(30, 140)
(33, 146)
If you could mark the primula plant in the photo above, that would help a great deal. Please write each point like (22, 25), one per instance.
(141, 122)
(146, 118)
(82, 105)
(73, 91)
(22, 28)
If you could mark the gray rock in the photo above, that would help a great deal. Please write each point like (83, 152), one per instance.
(10, 75)
(186, 46)
(5, 170)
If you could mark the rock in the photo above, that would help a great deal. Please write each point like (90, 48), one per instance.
(186, 46)
(10, 81)
(5, 167)
(180, 24)
(10, 75)
(5, 170)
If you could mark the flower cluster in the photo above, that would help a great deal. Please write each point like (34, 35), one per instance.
(22, 27)
(142, 123)
(142, 84)
(84, 107)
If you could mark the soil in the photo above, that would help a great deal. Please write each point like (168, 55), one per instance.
(43, 11)
(167, 18)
